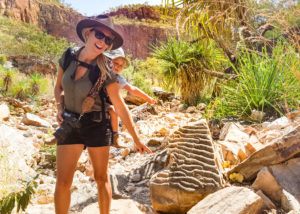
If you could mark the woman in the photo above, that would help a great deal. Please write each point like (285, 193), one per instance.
(99, 35)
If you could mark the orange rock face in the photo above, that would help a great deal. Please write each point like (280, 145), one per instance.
(60, 21)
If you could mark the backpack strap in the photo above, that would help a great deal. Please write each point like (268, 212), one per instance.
(69, 56)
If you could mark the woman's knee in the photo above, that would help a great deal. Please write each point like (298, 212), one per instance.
(63, 183)
(101, 178)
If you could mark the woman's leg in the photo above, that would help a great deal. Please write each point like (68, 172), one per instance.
(66, 161)
(99, 157)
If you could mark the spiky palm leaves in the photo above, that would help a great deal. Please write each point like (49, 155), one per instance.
(214, 19)
(186, 66)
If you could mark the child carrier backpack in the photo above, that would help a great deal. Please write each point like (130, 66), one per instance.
(70, 55)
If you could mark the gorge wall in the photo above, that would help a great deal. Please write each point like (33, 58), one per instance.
(60, 21)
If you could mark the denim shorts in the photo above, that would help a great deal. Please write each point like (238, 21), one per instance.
(92, 132)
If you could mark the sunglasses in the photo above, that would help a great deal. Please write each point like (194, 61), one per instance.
(102, 36)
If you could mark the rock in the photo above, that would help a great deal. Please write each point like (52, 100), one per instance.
(268, 203)
(118, 183)
(20, 151)
(191, 109)
(50, 141)
(288, 176)
(232, 151)
(125, 152)
(257, 115)
(150, 167)
(45, 199)
(33, 120)
(144, 12)
(165, 96)
(266, 182)
(121, 206)
(22, 127)
(154, 142)
(182, 107)
(135, 177)
(278, 151)
(30, 64)
(15, 103)
(27, 108)
(233, 132)
(289, 202)
(143, 111)
(293, 115)
(163, 132)
(134, 99)
(237, 200)
(192, 172)
(201, 106)
(279, 123)
(4, 112)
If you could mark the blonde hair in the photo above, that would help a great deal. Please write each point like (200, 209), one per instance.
(101, 61)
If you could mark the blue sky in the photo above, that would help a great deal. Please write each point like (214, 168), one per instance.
(94, 7)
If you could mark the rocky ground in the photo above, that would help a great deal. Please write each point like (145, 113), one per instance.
(256, 167)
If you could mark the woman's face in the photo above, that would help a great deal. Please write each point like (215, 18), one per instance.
(97, 40)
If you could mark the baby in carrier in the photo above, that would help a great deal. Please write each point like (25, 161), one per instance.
(118, 64)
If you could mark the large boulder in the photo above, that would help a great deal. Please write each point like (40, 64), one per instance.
(281, 184)
(266, 182)
(288, 176)
(16, 153)
(192, 172)
(277, 151)
(237, 200)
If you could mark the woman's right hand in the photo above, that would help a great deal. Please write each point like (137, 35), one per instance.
(59, 117)
(141, 148)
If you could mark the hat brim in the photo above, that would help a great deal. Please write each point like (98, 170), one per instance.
(87, 23)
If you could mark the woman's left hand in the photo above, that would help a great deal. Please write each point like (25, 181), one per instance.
(141, 148)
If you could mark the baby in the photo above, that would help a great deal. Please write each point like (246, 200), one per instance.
(118, 63)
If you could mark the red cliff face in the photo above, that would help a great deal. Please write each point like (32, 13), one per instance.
(138, 39)
(61, 21)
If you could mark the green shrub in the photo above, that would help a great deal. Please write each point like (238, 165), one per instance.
(17, 188)
(21, 89)
(20, 199)
(265, 83)
(187, 67)
(16, 84)
(3, 59)
(37, 84)
(7, 76)
(19, 38)
(144, 74)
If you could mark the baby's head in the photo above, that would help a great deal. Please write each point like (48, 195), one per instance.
(119, 61)
(118, 64)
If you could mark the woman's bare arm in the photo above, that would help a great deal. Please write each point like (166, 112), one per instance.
(58, 95)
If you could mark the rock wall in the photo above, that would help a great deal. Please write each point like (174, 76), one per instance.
(55, 19)
(60, 21)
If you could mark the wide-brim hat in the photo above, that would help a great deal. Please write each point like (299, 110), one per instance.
(99, 21)
(117, 53)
